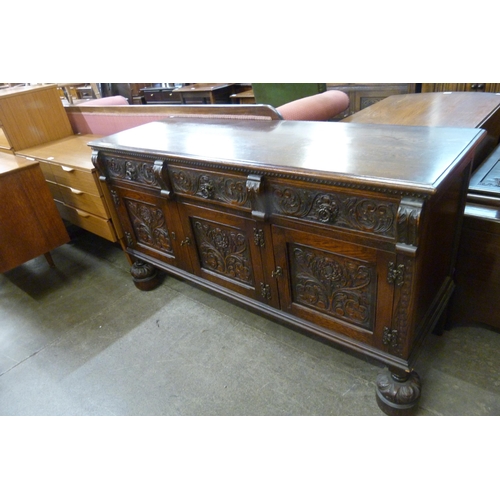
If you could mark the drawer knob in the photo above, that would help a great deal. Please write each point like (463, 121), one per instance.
(67, 169)
(75, 191)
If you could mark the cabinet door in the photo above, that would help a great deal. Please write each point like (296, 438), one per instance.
(226, 249)
(151, 227)
(336, 284)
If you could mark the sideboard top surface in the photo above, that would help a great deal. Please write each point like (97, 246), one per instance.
(404, 157)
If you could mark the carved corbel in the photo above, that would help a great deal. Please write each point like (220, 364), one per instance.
(94, 157)
(161, 176)
(407, 227)
(254, 190)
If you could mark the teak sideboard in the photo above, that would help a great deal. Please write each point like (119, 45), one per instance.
(346, 232)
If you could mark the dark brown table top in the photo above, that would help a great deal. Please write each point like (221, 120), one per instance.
(431, 109)
(412, 158)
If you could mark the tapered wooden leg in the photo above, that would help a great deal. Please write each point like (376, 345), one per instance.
(49, 259)
(398, 392)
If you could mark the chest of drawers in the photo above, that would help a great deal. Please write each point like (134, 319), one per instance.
(346, 232)
(74, 184)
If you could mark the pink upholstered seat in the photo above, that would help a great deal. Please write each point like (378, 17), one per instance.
(318, 107)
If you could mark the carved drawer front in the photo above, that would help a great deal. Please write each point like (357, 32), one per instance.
(335, 208)
(97, 225)
(339, 285)
(80, 179)
(225, 251)
(215, 187)
(139, 171)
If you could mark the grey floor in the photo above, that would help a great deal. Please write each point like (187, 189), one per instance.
(82, 340)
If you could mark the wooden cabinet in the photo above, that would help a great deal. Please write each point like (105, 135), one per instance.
(205, 93)
(362, 95)
(478, 263)
(75, 186)
(158, 95)
(35, 126)
(460, 87)
(346, 232)
(29, 222)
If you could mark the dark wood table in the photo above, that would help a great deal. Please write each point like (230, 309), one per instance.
(439, 109)
(346, 232)
(205, 93)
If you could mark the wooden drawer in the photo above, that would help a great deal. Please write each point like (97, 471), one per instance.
(47, 171)
(214, 187)
(83, 201)
(335, 208)
(55, 190)
(97, 225)
(82, 180)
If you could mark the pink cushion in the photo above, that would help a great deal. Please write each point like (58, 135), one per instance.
(319, 107)
(107, 123)
(115, 100)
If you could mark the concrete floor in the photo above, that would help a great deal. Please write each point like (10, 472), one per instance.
(82, 340)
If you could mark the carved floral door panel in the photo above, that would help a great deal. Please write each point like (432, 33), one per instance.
(150, 224)
(226, 249)
(338, 285)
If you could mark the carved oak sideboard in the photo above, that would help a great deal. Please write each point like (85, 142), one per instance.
(345, 231)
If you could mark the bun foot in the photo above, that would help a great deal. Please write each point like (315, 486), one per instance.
(398, 394)
(145, 275)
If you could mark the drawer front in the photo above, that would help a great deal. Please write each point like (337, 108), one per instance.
(218, 188)
(81, 180)
(47, 171)
(97, 225)
(335, 208)
(127, 171)
(55, 191)
(84, 201)
(153, 96)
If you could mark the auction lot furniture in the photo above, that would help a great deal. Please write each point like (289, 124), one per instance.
(35, 126)
(478, 264)
(205, 93)
(30, 224)
(74, 184)
(439, 109)
(477, 274)
(347, 232)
